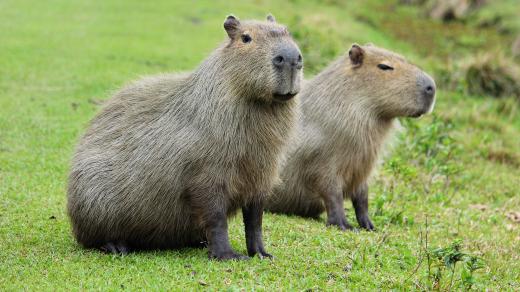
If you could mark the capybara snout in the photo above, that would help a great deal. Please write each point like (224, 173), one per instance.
(426, 96)
(288, 64)
(288, 57)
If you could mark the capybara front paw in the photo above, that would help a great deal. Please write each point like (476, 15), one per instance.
(365, 223)
(262, 254)
(343, 225)
(225, 256)
(265, 255)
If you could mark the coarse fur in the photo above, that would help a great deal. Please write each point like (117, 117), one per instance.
(170, 157)
(348, 112)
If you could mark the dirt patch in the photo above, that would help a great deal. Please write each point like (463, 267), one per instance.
(514, 216)
(503, 157)
(450, 10)
(479, 207)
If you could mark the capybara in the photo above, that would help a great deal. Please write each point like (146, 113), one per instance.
(169, 158)
(349, 110)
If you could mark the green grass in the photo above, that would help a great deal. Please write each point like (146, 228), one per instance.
(441, 197)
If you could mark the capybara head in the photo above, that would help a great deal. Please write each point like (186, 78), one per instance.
(392, 86)
(262, 59)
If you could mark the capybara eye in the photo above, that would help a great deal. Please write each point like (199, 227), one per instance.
(385, 67)
(246, 38)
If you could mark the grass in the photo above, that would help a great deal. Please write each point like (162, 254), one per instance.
(440, 201)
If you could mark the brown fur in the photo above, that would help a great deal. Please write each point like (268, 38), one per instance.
(349, 110)
(169, 157)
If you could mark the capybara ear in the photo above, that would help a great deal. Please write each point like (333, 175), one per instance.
(270, 18)
(232, 26)
(356, 54)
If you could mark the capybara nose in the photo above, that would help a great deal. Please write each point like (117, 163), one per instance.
(429, 91)
(427, 86)
(288, 57)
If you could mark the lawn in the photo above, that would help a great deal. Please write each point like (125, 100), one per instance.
(443, 202)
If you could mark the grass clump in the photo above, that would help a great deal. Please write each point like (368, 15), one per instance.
(487, 74)
(492, 75)
(445, 259)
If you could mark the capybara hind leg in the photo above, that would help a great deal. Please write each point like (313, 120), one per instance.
(252, 215)
(335, 211)
(360, 203)
(115, 248)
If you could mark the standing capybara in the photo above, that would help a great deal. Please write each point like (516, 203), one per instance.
(349, 110)
(170, 158)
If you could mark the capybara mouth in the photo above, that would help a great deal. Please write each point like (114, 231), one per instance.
(417, 114)
(283, 97)
(422, 112)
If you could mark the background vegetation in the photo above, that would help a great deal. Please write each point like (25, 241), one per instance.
(445, 202)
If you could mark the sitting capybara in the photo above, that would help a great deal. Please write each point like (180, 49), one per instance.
(348, 110)
(169, 158)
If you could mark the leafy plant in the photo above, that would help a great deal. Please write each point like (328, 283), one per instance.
(432, 147)
(446, 259)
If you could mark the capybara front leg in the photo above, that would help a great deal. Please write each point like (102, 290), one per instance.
(335, 211)
(218, 240)
(360, 203)
(252, 214)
